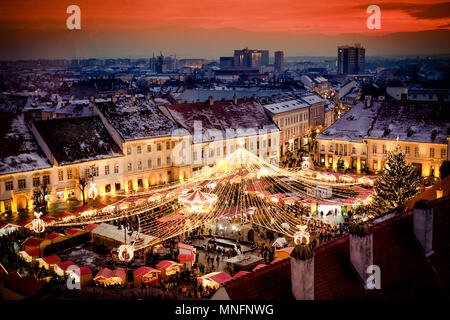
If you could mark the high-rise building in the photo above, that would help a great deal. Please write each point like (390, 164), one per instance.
(250, 58)
(264, 57)
(226, 62)
(351, 60)
(279, 61)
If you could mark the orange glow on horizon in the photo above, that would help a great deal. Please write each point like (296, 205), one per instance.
(329, 17)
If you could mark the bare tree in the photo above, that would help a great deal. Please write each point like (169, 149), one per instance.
(40, 201)
(82, 184)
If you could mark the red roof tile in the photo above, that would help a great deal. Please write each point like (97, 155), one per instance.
(143, 271)
(186, 257)
(51, 259)
(165, 264)
(66, 264)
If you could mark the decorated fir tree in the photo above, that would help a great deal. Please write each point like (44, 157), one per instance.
(397, 184)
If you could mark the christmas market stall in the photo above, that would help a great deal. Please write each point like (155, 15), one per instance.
(108, 277)
(7, 228)
(32, 243)
(146, 276)
(61, 268)
(30, 255)
(82, 275)
(213, 279)
(55, 237)
(168, 269)
(187, 260)
(49, 262)
(283, 253)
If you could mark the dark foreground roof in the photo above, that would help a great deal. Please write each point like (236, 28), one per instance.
(74, 140)
(405, 271)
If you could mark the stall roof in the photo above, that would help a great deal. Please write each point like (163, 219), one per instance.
(54, 235)
(165, 264)
(66, 264)
(33, 242)
(110, 231)
(143, 271)
(51, 259)
(218, 277)
(186, 257)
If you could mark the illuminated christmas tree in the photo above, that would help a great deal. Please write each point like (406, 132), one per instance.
(397, 184)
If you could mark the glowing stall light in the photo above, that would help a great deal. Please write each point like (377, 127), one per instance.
(38, 225)
(263, 172)
(126, 253)
(305, 163)
(234, 228)
(93, 191)
(211, 185)
(301, 234)
(285, 225)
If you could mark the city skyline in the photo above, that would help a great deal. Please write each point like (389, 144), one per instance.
(209, 30)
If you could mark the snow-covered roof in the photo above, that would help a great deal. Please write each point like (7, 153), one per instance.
(74, 140)
(412, 121)
(19, 151)
(112, 232)
(285, 106)
(223, 119)
(312, 99)
(138, 120)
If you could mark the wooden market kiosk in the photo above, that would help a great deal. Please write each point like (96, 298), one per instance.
(168, 269)
(146, 276)
(213, 279)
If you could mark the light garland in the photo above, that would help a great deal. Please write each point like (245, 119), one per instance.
(126, 253)
(93, 191)
(38, 225)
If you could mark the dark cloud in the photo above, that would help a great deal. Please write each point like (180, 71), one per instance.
(420, 11)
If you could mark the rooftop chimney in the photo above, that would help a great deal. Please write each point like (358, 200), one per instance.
(368, 101)
(423, 225)
(235, 100)
(361, 250)
(91, 98)
(210, 100)
(113, 98)
(148, 96)
(133, 98)
(302, 272)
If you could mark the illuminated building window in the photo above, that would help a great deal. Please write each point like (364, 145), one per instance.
(168, 145)
(139, 149)
(431, 152)
(36, 181)
(106, 170)
(158, 147)
(129, 167)
(149, 163)
(384, 149)
(46, 180)
(443, 153)
(108, 188)
(407, 150)
(22, 184)
(116, 168)
(60, 195)
(69, 174)
(60, 175)
(139, 165)
(159, 162)
(9, 185)
(128, 150)
(149, 148)
(416, 152)
(374, 148)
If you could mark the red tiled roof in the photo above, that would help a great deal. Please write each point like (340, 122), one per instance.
(259, 266)
(54, 235)
(105, 273)
(218, 277)
(83, 271)
(33, 252)
(91, 227)
(405, 271)
(143, 271)
(31, 242)
(66, 264)
(270, 283)
(26, 286)
(186, 257)
(240, 274)
(83, 209)
(65, 214)
(51, 259)
(73, 231)
(165, 264)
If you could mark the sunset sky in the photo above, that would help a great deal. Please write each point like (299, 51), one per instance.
(30, 17)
